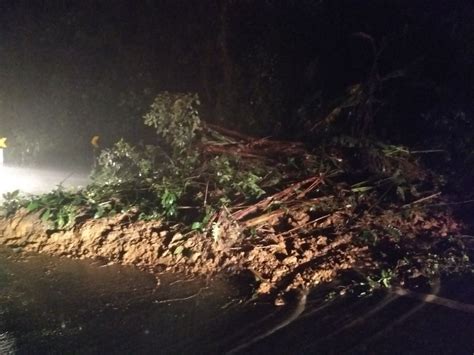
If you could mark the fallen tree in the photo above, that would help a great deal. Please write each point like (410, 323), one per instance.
(205, 200)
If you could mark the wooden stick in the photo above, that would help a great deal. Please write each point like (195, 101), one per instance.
(427, 151)
(205, 194)
(263, 218)
(422, 199)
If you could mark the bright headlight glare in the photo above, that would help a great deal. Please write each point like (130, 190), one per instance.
(17, 179)
(32, 181)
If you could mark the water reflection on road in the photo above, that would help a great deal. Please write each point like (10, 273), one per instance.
(59, 306)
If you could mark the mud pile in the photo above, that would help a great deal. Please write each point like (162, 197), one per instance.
(314, 253)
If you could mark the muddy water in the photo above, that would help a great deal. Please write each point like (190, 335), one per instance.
(60, 306)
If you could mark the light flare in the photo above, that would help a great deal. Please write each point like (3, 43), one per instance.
(35, 181)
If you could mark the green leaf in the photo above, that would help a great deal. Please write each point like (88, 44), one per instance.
(362, 189)
(178, 250)
(61, 221)
(33, 206)
(196, 226)
(46, 215)
(99, 213)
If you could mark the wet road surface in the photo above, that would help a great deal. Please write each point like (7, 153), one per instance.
(61, 306)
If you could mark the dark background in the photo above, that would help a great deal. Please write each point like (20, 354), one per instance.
(73, 69)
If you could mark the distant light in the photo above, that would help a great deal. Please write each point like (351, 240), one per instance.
(12, 179)
(34, 181)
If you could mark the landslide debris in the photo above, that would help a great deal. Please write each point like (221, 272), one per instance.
(205, 200)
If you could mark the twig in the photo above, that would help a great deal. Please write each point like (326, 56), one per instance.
(308, 189)
(65, 179)
(422, 199)
(180, 299)
(205, 194)
(427, 151)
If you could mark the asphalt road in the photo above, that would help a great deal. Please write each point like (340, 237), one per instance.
(63, 306)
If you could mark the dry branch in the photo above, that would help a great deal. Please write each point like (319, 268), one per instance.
(281, 196)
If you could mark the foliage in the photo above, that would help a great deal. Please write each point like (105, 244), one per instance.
(158, 173)
(12, 202)
(230, 178)
(382, 280)
(170, 174)
(157, 180)
(125, 163)
(176, 120)
(59, 207)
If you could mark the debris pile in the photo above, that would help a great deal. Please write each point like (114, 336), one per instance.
(313, 215)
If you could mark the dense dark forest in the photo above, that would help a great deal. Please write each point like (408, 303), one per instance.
(401, 71)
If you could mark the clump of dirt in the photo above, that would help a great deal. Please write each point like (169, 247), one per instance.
(276, 262)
